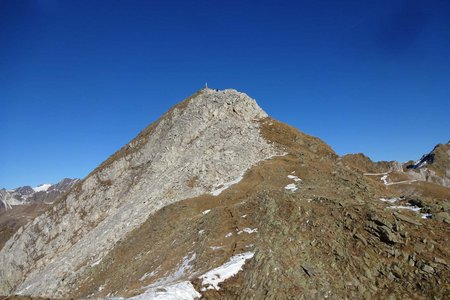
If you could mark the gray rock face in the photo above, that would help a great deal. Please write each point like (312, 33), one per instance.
(210, 139)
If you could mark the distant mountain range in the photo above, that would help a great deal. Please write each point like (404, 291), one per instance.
(44, 193)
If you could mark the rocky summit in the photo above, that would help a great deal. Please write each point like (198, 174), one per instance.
(216, 200)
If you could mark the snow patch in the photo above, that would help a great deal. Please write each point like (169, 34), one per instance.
(42, 188)
(96, 262)
(295, 178)
(206, 211)
(390, 200)
(224, 186)
(215, 247)
(228, 234)
(376, 174)
(248, 230)
(291, 187)
(385, 179)
(426, 216)
(183, 290)
(412, 208)
(175, 276)
(213, 278)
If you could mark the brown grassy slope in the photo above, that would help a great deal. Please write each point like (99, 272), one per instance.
(331, 238)
(364, 164)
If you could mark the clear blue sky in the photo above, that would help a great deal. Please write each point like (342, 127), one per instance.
(79, 79)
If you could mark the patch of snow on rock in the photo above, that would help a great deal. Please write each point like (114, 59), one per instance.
(206, 211)
(426, 216)
(215, 247)
(385, 179)
(390, 200)
(224, 186)
(412, 208)
(248, 230)
(291, 187)
(295, 178)
(183, 290)
(213, 278)
(42, 188)
(96, 262)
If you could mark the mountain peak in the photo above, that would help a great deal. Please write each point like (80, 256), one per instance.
(201, 146)
(221, 102)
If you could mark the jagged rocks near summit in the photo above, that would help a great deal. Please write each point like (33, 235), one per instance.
(218, 200)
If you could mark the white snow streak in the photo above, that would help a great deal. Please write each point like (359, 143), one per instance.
(376, 174)
(42, 188)
(96, 262)
(211, 279)
(426, 216)
(224, 186)
(390, 200)
(412, 208)
(214, 248)
(248, 230)
(295, 178)
(183, 290)
(385, 179)
(291, 187)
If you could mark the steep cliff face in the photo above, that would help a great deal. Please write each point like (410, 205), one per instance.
(203, 145)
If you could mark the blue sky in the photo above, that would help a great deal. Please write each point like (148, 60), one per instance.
(79, 79)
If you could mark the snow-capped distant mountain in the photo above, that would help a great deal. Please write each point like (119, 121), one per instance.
(42, 188)
(26, 194)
